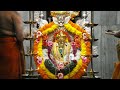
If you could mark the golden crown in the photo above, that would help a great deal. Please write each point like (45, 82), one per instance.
(54, 13)
(67, 13)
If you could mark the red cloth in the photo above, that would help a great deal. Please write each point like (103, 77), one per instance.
(116, 72)
(10, 62)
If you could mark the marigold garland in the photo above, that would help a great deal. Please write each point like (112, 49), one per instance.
(78, 71)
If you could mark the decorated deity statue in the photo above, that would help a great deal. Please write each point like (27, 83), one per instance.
(62, 47)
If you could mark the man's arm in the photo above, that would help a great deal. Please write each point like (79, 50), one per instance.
(115, 33)
(18, 28)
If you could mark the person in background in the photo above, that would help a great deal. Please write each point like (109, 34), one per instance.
(12, 64)
(116, 71)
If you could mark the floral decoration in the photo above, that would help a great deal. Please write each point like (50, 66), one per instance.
(83, 43)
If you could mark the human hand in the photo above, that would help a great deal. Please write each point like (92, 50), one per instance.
(110, 32)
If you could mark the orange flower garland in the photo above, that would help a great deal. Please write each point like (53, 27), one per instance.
(82, 64)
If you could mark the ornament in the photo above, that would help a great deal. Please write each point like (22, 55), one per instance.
(39, 60)
(60, 75)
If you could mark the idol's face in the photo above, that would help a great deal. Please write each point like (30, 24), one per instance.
(61, 39)
(61, 19)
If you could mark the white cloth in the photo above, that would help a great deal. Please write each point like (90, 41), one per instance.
(45, 54)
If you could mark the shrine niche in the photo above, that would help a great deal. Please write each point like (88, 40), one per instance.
(62, 48)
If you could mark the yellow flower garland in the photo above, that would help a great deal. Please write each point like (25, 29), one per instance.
(45, 73)
(40, 48)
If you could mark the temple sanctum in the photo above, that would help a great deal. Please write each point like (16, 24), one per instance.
(71, 44)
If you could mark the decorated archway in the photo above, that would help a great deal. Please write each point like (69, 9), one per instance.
(62, 48)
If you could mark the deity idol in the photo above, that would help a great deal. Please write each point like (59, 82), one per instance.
(61, 48)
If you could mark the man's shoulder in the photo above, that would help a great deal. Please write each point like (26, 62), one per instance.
(15, 13)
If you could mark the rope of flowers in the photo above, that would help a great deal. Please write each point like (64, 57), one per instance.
(82, 64)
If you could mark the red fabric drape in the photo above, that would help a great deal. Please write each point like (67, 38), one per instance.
(10, 62)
